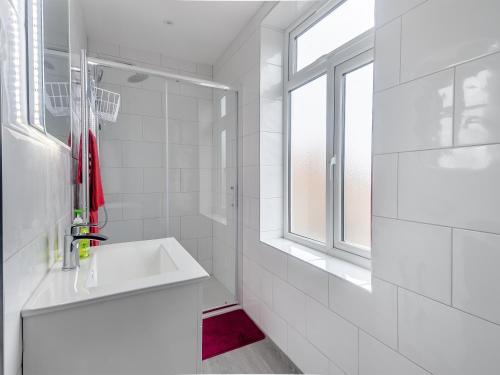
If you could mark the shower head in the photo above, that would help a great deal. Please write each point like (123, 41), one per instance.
(137, 77)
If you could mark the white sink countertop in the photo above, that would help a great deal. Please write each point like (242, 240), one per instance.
(114, 270)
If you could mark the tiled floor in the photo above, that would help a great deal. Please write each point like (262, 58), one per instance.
(262, 357)
(215, 294)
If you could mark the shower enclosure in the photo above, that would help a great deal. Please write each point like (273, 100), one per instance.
(169, 165)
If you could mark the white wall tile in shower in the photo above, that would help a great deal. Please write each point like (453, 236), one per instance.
(413, 255)
(143, 154)
(444, 340)
(384, 191)
(387, 55)
(414, 116)
(477, 102)
(456, 187)
(154, 129)
(377, 359)
(352, 302)
(476, 289)
(444, 41)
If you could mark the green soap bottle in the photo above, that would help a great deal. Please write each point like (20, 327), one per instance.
(84, 244)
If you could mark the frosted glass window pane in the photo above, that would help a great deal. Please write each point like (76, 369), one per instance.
(350, 19)
(357, 156)
(307, 160)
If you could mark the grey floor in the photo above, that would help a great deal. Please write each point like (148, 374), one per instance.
(262, 357)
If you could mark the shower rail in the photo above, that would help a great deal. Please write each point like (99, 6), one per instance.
(158, 73)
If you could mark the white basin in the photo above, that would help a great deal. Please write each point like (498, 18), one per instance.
(118, 264)
(132, 308)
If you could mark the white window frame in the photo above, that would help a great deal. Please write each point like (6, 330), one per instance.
(348, 57)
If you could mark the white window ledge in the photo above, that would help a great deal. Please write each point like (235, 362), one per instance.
(350, 272)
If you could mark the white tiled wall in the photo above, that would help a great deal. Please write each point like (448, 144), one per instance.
(432, 306)
(36, 187)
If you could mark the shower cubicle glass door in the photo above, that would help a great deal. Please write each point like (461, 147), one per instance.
(169, 169)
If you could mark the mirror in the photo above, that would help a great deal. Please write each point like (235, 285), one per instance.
(49, 67)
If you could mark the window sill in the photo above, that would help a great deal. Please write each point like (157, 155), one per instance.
(347, 271)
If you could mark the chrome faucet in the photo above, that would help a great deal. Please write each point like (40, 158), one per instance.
(71, 258)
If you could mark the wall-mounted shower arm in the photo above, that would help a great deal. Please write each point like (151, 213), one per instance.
(157, 73)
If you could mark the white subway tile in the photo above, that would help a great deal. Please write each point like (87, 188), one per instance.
(377, 359)
(385, 185)
(309, 359)
(190, 180)
(271, 82)
(182, 107)
(251, 304)
(251, 149)
(196, 226)
(140, 206)
(182, 156)
(444, 340)
(181, 204)
(114, 208)
(142, 154)
(414, 116)
(174, 227)
(271, 214)
(454, 187)
(271, 148)
(272, 45)
(250, 117)
(290, 304)
(413, 255)
(271, 181)
(353, 302)
(124, 231)
(386, 10)
(274, 326)
(251, 185)
(155, 180)
(111, 154)
(387, 55)
(334, 336)
(155, 228)
(275, 260)
(271, 116)
(126, 128)
(141, 102)
(477, 102)
(154, 129)
(476, 289)
(311, 280)
(205, 248)
(444, 41)
(122, 180)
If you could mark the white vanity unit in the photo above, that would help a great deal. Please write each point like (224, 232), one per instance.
(131, 308)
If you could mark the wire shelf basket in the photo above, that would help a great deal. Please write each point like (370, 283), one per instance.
(58, 99)
(107, 104)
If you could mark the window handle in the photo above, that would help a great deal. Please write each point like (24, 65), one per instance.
(333, 162)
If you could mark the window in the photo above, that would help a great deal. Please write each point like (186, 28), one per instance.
(329, 130)
(343, 23)
(307, 160)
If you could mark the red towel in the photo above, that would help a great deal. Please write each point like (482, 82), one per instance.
(96, 192)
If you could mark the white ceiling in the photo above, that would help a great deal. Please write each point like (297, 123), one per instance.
(201, 32)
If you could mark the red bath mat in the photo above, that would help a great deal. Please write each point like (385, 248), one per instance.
(225, 332)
